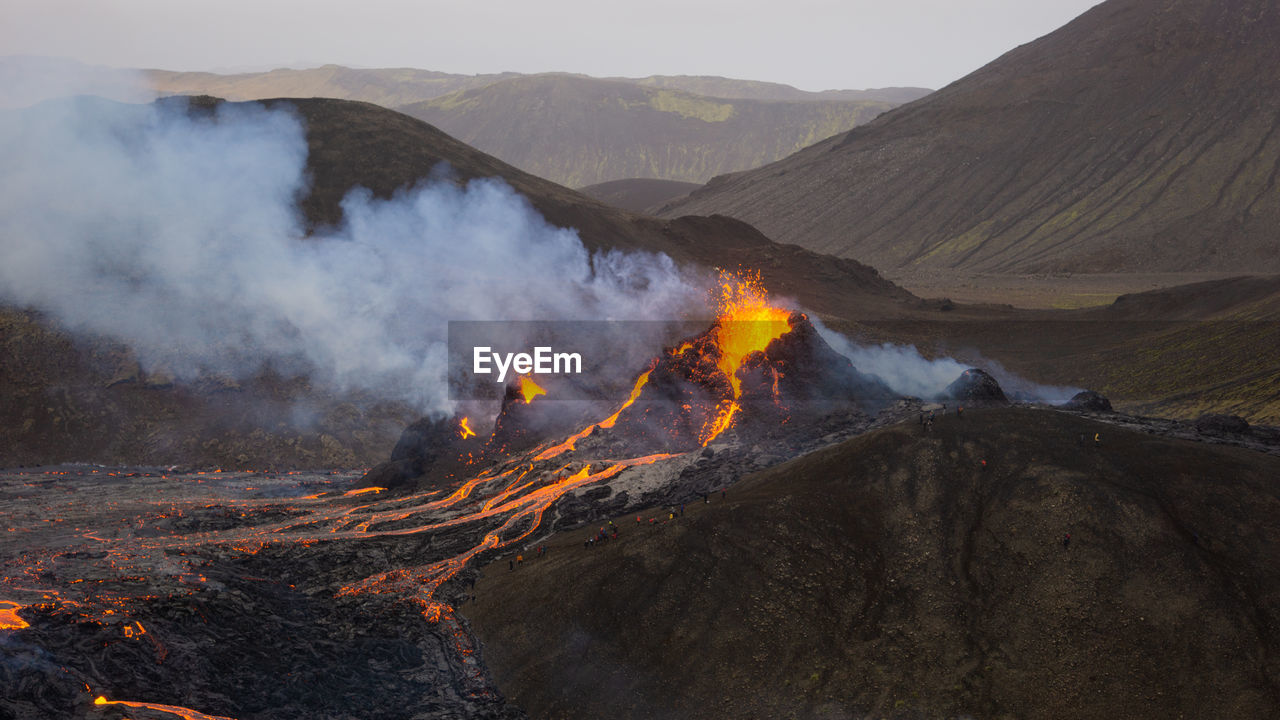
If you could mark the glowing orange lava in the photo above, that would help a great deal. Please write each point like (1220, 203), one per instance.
(529, 389)
(746, 323)
(525, 518)
(464, 428)
(362, 491)
(723, 419)
(9, 619)
(572, 441)
(635, 393)
(185, 713)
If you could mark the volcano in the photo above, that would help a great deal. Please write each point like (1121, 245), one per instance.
(758, 369)
(976, 388)
(152, 594)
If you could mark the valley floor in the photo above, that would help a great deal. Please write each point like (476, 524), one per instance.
(1066, 291)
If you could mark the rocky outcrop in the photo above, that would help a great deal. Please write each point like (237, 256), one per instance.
(976, 388)
(1089, 400)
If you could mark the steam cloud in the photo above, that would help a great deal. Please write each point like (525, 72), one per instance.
(180, 235)
(908, 372)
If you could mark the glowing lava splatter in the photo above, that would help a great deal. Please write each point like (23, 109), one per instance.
(746, 323)
(464, 428)
(530, 389)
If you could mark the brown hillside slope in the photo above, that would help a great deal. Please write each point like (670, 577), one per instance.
(892, 576)
(361, 144)
(581, 131)
(638, 194)
(1140, 136)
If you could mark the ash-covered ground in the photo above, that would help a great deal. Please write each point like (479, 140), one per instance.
(299, 595)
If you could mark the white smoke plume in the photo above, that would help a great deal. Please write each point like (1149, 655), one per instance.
(29, 79)
(180, 236)
(906, 371)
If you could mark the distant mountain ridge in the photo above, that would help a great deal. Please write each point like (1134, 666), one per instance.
(714, 86)
(580, 131)
(1142, 136)
(388, 87)
(573, 129)
(392, 87)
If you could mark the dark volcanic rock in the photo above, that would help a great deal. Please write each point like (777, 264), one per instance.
(1228, 424)
(428, 447)
(976, 388)
(521, 424)
(802, 374)
(259, 636)
(1089, 400)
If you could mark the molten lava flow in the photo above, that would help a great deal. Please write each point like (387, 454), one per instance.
(635, 393)
(525, 517)
(9, 619)
(607, 423)
(725, 413)
(362, 491)
(185, 713)
(529, 389)
(464, 429)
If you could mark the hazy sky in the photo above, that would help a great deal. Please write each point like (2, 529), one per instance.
(812, 44)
